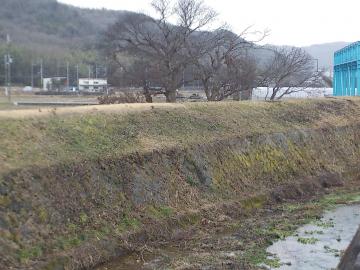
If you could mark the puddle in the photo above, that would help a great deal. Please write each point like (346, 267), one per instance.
(319, 245)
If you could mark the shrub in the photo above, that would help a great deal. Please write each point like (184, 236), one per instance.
(122, 97)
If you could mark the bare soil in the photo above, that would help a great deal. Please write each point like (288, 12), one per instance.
(116, 108)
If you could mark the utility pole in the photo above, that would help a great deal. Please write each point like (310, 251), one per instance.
(41, 74)
(67, 76)
(77, 76)
(89, 72)
(32, 74)
(6, 74)
(57, 68)
(183, 79)
(9, 59)
(317, 65)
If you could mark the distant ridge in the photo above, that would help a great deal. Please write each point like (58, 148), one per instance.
(325, 52)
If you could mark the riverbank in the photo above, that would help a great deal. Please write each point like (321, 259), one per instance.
(320, 244)
(241, 243)
(78, 190)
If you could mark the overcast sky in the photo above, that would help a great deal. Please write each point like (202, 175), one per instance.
(291, 22)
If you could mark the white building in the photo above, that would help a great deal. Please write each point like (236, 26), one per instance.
(261, 93)
(93, 85)
(54, 84)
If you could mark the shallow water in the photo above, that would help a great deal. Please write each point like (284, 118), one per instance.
(319, 245)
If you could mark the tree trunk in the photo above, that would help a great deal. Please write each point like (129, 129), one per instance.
(147, 95)
(215, 94)
(170, 96)
(207, 93)
(273, 95)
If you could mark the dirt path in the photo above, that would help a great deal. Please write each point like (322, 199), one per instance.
(116, 108)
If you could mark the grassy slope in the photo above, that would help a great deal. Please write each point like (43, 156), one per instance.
(55, 139)
(91, 195)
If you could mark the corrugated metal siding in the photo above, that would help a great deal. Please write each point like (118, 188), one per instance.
(347, 71)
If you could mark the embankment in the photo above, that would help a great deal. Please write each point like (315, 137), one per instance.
(79, 189)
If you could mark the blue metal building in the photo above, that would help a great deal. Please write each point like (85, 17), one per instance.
(347, 71)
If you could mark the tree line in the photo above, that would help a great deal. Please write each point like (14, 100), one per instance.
(180, 44)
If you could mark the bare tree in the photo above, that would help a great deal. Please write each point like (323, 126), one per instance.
(140, 73)
(222, 62)
(159, 41)
(290, 70)
(241, 75)
(208, 53)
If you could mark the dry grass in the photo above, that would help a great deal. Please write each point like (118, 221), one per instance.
(76, 185)
(50, 136)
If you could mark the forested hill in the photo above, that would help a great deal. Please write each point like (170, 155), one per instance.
(51, 32)
(36, 22)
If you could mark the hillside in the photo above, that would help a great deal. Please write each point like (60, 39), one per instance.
(51, 23)
(52, 32)
(325, 52)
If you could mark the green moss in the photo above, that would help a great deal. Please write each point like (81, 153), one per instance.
(159, 212)
(190, 180)
(83, 218)
(70, 241)
(189, 220)
(72, 227)
(127, 223)
(42, 214)
(27, 254)
(292, 207)
(254, 202)
(325, 224)
(340, 198)
(307, 241)
(101, 233)
(257, 257)
(4, 201)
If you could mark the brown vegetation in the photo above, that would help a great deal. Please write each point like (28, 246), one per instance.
(123, 97)
(79, 189)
